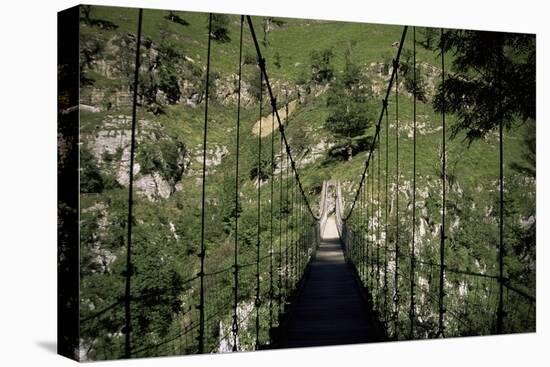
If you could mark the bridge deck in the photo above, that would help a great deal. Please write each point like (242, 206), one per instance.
(330, 309)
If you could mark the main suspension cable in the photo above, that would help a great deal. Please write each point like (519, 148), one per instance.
(281, 127)
(388, 90)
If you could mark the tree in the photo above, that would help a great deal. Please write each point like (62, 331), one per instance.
(220, 31)
(100, 23)
(414, 80)
(430, 37)
(528, 166)
(86, 10)
(164, 156)
(348, 99)
(322, 70)
(251, 77)
(277, 61)
(157, 282)
(522, 233)
(493, 78)
(162, 66)
(173, 17)
(91, 180)
(91, 49)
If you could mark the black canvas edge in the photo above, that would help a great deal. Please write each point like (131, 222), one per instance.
(68, 254)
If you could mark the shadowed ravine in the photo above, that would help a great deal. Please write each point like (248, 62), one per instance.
(329, 309)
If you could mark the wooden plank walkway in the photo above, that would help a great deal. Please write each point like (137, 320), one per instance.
(329, 309)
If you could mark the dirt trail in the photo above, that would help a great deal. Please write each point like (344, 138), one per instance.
(266, 121)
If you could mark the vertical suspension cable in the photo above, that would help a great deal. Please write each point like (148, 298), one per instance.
(287, 212)
(271, 293)
(292, 233)
(280, 280)
(301, 226)
(368, 257)
(396, 278)
(298, 235)
(367, 250)
(290, 217)
(373, 258)
(258, 215)
(413, 256)
(306, 240)
(305, 243)
(129, 268)
(386, 173)
(203, 196)
(500, 312)
(378, 239)
(235, 326)
(443, 195)
(295, 231)
(358, 266)
(291, 230)
(364, 234)
(369, 226)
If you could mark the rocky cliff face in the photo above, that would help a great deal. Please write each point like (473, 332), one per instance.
(110, 145)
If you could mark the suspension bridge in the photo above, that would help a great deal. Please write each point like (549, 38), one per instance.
(331, 275)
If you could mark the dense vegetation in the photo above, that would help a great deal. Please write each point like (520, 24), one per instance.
(335, 73)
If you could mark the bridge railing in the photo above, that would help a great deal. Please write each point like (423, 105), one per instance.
(102, 330)
(471, 299)
(323, 209)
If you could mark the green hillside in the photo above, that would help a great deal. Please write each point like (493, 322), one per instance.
(169, 154)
